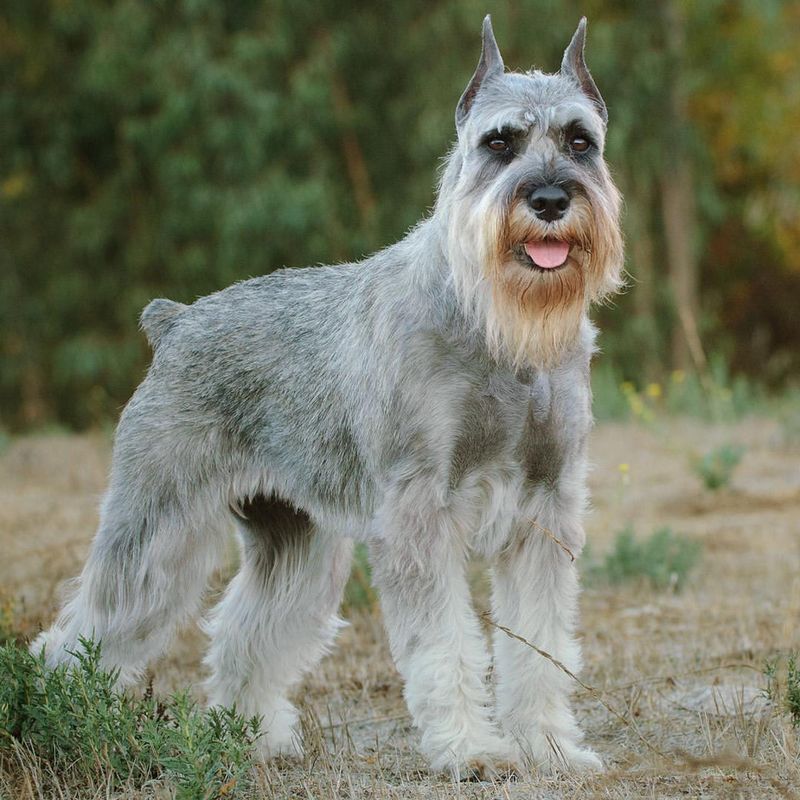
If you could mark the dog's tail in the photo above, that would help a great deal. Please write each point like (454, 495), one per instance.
(158, 317)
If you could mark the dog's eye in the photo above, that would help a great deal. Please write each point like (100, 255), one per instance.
(498, 145)
(579, 144)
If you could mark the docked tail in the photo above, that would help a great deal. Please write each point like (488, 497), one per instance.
(158, 317)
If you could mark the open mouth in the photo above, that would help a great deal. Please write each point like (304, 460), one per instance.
(547, 253)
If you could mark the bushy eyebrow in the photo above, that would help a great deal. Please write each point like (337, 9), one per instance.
(579, 126)
(505, 132)
(576, 125)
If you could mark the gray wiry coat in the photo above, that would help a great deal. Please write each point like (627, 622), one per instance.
(338, 381)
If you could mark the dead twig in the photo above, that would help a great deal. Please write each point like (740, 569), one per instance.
(677, 676)
(596, 694)
(366, 721)
(555, 538)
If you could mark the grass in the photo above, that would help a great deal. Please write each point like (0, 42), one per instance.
(77, 725)
(663, 560)
(715, 469)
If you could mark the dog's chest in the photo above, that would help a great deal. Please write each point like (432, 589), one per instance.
(519, 430)
(542, 444)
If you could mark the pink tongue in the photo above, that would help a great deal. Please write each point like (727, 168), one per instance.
(547, 254)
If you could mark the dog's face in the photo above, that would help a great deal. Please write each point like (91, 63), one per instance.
(534, 215)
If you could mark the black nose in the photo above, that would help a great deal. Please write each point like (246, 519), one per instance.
(549, 203)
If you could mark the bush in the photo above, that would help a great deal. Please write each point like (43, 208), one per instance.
(716, 468)
(74, 720)
(665, 559)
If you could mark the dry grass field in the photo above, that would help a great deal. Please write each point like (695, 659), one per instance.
(675, 706)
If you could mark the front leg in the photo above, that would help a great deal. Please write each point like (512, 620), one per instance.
(436, 640)
(535, 594)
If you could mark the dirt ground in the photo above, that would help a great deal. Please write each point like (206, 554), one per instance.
(679, 709)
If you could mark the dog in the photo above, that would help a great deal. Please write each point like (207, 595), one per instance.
(432, 400)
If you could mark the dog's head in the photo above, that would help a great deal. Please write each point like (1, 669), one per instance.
(532, 213)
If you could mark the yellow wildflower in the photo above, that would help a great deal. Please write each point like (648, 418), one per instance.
(654, 390)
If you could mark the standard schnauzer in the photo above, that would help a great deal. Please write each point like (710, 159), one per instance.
(432, 400)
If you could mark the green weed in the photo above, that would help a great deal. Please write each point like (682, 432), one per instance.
(715, 469)
(77, 722)
(664, 559)
(784, 694)
(793, 688)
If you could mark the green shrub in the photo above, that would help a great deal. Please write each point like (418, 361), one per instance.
(715, 469)
(77, 722)
(784, 695)
(664, 559)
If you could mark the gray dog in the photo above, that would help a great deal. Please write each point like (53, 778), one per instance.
(432, 400)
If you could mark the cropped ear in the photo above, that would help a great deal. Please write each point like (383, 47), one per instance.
(491, 63)
(573, 66)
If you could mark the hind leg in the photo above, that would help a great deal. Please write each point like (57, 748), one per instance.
(277, 619)
(156, 544)
(144, 577)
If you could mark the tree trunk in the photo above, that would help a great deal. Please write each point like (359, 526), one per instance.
(678, 208)
(678, 204)
(354, 159)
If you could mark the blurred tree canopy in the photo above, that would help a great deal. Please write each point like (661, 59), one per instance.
(170, 148)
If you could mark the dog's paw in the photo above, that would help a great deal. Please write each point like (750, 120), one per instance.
(287, 746)
(486, 768)
(587, 760)
(548, 753)
(494, 759)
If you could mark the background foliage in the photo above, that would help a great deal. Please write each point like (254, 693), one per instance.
(170, 148)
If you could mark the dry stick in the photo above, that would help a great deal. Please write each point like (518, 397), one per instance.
(555, 538)
(366, 721)
(590, 689)
(667, 678)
